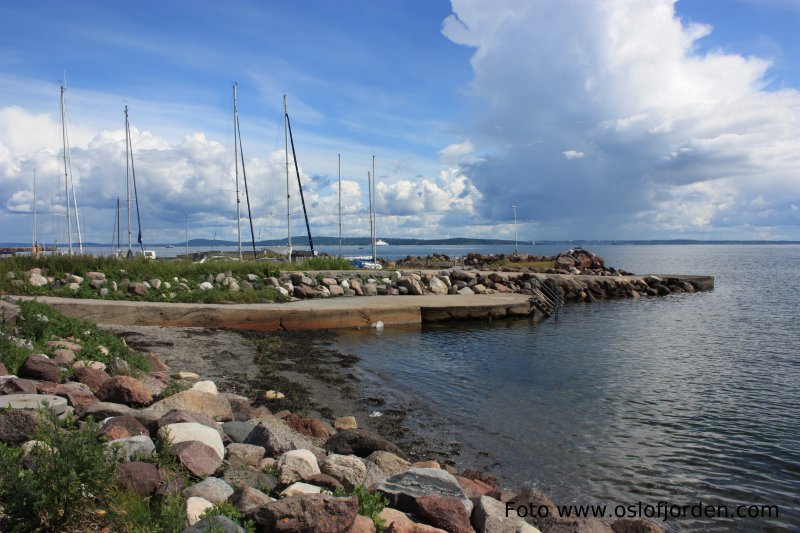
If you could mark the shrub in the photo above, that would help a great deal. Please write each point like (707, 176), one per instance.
(69, 482)
(130, 513)
(370, 504)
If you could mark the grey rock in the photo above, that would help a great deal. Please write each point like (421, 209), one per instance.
(348, 469)
(277, 438)
(18, 426)
(212, 489)
(245, 476)
(215, 524)
(249, 499)
(140, 446)
(237, 430)
(403, 489)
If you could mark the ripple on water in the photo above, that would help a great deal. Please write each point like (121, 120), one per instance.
(684, 398)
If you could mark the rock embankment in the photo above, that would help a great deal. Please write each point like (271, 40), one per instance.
(280, 470)
(577, 275)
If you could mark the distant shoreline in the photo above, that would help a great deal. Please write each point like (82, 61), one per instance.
(365, 241)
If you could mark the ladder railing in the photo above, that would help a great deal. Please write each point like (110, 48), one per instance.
(545, 299)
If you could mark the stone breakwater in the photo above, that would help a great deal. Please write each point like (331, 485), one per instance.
(280, 470)
(577, 275)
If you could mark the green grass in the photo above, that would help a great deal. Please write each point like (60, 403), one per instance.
(40, 323)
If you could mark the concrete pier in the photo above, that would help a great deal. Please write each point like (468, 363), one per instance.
(332, 313)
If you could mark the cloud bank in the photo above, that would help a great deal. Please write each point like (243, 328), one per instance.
(603, 120)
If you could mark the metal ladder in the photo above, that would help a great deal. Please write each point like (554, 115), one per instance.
(545, 299)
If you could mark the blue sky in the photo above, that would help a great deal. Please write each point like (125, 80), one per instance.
(632, 119)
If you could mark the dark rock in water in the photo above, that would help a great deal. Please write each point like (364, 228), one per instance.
(41, 368)
(403, 489)
(18, 426)
(139, 477)
(445, 513)
(635, 525)
(309, 513)
(217, 524)
(361, 443)
(18, 386)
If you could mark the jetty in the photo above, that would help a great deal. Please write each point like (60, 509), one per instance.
(371, 311)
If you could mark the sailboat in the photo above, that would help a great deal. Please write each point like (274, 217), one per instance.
(289, 138)
(130, 177)
(69, 182)
(238, 153)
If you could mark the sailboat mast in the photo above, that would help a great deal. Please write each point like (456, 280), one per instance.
(300, 185)
(128, 178)
(34, 213)
(238, 133)
(374, 210)
(66, 174)
(340, 206)
(288, 194)
(236, 159)
(369, 196)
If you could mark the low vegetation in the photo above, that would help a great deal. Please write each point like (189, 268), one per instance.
(38, 324)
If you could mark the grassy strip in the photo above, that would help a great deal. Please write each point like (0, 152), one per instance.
(40, 323)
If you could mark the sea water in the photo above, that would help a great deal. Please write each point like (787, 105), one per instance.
(686, 399)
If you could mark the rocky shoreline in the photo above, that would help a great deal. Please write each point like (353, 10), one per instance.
(575, 275)
(280, 469)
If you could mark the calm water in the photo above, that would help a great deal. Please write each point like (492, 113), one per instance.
(685, 398)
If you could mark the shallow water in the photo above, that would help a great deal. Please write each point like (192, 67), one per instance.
(686, 398)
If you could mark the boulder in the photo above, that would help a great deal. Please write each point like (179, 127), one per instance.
(403, 489)
(212, 489)
(445, 513)
(213, 405)
(205, 386)
(37, 280)
(198, 458)
(345, 422)
(18, 386)
(102, 410)
(130, 447)
(298, 488)
(310, 427)
(192, 431)
(325, 481)
(121, 427)
(239, 454)
(276, 437)
(248, 500)
(176, 416)
(63, 357)
(348, 469)
(138, 289)
(359, 442)
(296, 465)
(40, 367)
(18, 426)
(389, 462)
(362, 525)
(195, 507)
(139, 477)
(91, 377)
(248, 476)
(119, 367)
(156, 365)
(412, 285)
(9, 313)
(238, 430)
(489, 516)
(437, 286)
(125, 390)
(309, 513)
(216, 523)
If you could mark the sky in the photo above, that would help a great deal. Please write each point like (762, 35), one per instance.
(589, 119)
